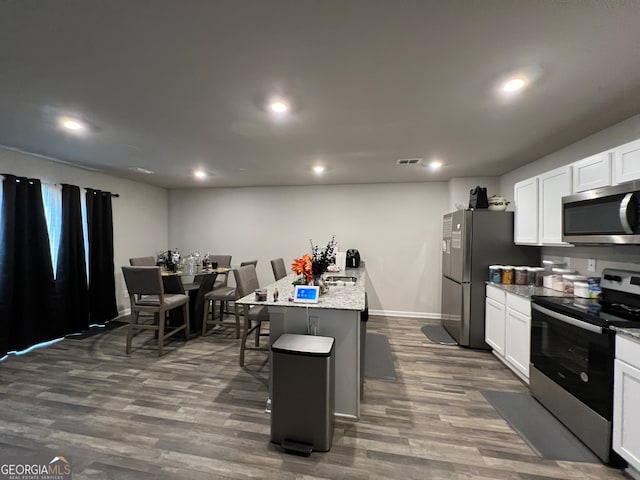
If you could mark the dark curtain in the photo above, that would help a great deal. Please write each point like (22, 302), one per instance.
(27, 288)
(102, 285)
(71, 275)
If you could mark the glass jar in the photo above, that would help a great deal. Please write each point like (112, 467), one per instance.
(521, 276)
(507, 274)
(581, 289)
(536, 276)
(568, 281)
(495, 273)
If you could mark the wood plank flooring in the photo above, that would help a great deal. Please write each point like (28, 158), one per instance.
(194, 413)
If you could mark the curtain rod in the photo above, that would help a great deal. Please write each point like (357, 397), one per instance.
(117, 195)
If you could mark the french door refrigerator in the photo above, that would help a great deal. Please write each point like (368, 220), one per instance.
(471, 241)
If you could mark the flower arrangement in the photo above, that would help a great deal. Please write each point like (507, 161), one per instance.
(316, 263)
(303, 266)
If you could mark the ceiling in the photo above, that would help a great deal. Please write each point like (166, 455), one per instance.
(171, 86)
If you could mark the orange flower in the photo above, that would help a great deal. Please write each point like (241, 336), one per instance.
(303, 266)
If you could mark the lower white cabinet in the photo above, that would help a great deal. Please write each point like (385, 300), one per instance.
(508, 329)
(626, 392)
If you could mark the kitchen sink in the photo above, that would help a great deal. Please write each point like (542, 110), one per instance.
(340, 280)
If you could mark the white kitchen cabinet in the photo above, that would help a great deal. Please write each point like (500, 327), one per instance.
(626, 392)
(626, 162)
(525, 198)
(495, 310)
(592, 172)
(517, 339)
(508, 329)
(552, 186)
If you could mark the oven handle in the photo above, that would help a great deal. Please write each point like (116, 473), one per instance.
(566, 319)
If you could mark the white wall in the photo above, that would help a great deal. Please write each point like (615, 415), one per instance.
(396, 227)
(140, 225)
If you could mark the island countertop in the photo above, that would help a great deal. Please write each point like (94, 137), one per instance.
(348, 297)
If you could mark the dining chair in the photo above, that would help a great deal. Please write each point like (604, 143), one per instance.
(246, 282)
(146, 294)
(224, 295)
(279, 270)
(222, 261)
(249, 262)
(142, 262)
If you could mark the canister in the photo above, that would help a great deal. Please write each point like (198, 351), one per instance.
(521, 275)
(568, 281)
(556, 278)
(495, 273)
(536, 276)
(507, 274)
(581, 289)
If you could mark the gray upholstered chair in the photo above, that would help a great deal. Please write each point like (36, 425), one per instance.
(279, 270)
(246, 282)
(222, 261)
(146, 294)
(224, 295)
(249, 262)
(142, 262)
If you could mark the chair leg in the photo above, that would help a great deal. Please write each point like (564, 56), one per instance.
(187, 322)
(205, 317)
(161, 318)
(133, 320)
(237, 315)
(222, 306)
(258, 334)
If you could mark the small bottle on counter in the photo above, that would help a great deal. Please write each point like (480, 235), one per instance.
(275, 294)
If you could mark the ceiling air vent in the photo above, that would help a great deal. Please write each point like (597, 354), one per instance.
(409, 161)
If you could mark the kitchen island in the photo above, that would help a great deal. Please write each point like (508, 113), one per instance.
(338, 314)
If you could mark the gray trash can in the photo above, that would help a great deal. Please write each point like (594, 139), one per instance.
(302, 397)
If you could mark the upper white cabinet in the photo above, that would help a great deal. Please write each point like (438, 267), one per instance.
(538, 207)
(525, 197)
(552, 186)
(626, 162)
(592, 172)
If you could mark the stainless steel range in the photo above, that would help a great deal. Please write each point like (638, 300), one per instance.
(572, 356)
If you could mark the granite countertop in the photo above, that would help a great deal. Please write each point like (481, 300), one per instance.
(629, 332)
(528, 291)
(348, 297)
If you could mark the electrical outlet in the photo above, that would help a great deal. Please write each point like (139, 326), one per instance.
(591, 265)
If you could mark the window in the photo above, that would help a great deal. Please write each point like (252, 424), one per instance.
(52, 200)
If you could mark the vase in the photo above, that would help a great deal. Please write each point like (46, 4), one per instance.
(319, 281)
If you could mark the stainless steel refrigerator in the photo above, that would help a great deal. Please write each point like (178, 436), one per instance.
(471, 241)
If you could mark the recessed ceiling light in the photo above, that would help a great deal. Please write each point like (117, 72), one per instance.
(318, 169)
(435, 164)
(514, 84)
(200, 174)
(279, 106)
(72, 124)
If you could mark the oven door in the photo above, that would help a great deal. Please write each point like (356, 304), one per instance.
(576, 355)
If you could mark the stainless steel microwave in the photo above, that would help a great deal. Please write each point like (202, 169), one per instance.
(603, 215)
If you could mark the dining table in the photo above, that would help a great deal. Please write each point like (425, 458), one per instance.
(196, 282)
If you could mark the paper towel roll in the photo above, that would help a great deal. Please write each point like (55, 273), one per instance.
(341, 260)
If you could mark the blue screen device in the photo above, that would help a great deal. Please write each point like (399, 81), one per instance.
(306, 294)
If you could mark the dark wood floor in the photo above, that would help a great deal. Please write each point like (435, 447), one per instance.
(195, 414)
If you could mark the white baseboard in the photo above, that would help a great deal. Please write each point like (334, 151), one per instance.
(399, 313)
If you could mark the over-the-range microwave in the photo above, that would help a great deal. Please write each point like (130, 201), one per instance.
(603, 215)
